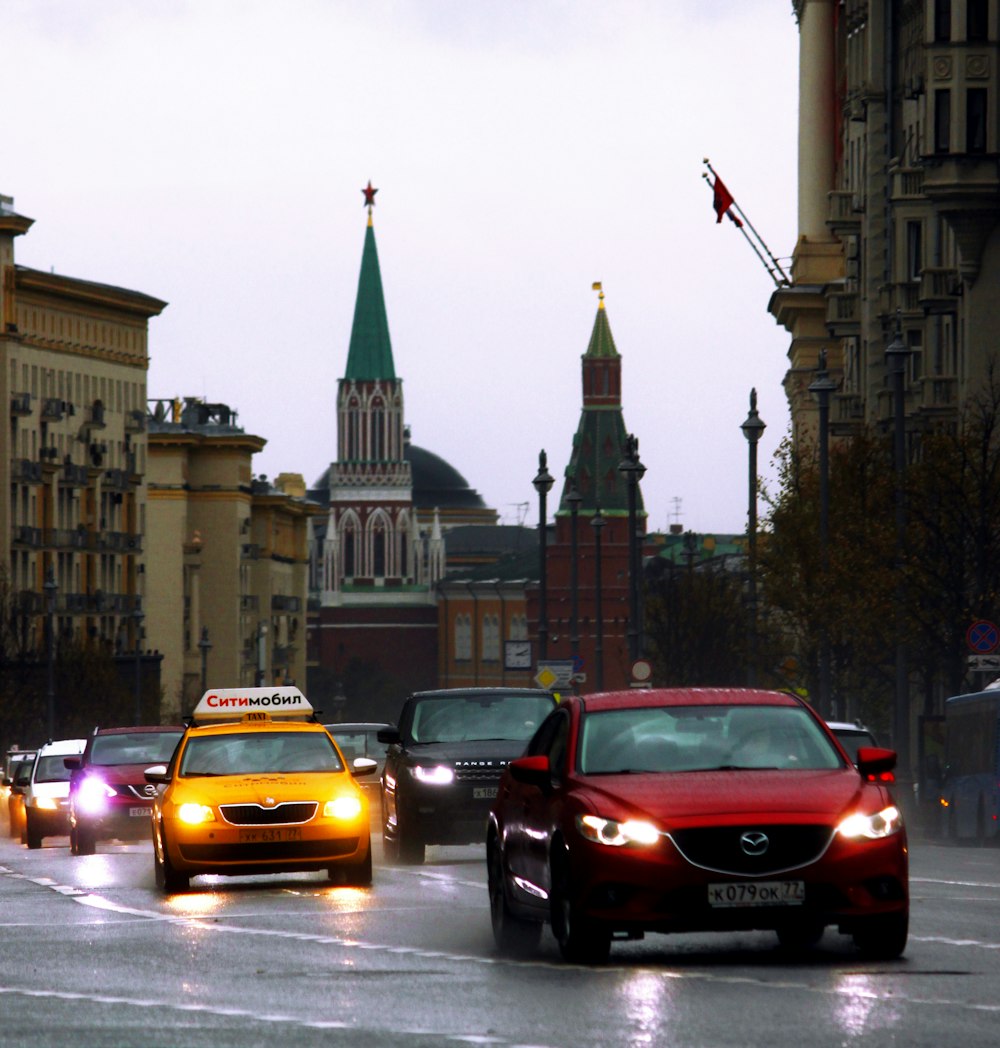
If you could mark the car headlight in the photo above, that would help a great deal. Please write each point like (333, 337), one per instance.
(46, 803)
(195, 814)
(883, 823)
(434, 775)
(344, 808)
(608, 831)
(92, 795)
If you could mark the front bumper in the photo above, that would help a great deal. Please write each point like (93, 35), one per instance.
(120, 822)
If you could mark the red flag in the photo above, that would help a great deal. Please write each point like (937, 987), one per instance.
(723, 201)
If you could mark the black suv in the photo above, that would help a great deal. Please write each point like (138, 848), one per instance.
(444, 763)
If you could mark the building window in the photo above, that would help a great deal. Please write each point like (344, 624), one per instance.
(942, 21)
(976, 24)
(378, 552)
(914, 250)
(463, 638)
(349, 553)
(975, 120)
(942, 121)
(491, 639)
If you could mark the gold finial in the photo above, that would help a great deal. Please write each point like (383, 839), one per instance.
(597, 286)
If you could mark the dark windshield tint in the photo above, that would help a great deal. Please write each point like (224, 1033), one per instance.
(853, 740)
(52, 769)
(475, 718)
(146, 747)
(700, 738)
(253, 753)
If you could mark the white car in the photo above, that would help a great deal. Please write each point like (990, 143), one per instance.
(46, 796)
(852, 735)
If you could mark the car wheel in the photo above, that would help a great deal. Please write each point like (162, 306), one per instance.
(167, 878)
(411, 850)
(581, 940)
(357, 875)
(798, 937)
(513, 935)
(882, 938)
(32, 833)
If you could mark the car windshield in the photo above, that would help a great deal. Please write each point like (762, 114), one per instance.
(254, 753)
(703, 738)
(355, 744)
(477, 718)
(141, 747)
(52, 768)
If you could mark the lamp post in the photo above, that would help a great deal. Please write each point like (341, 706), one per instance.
(137, 617)
(896, 354)
(205, 646)
(597, 522)
(753, 427)
(51, 587)
(543, 485)
(821, 388)
(633, 470)
(574, 498)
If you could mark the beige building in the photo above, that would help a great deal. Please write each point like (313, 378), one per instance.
(227, 557)
(73, 363)
(899, 193)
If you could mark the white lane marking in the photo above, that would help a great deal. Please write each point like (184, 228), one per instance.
(955, 884)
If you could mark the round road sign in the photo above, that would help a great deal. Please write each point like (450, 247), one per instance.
(982, 637)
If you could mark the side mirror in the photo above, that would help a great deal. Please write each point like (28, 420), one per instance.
(531, 771)
(876, 763)
(388, 735)
(363, 766)
(157, 775)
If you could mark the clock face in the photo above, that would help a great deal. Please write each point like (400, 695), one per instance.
(517, 655)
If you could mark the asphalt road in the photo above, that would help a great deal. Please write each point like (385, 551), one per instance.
(92, 955)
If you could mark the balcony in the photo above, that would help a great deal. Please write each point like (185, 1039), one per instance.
(845, 212)
(20, 404)
(843, 316)
(115, 480)
(940, 290)
(907, 184)
(939, 391)
(95, 415)
(30, 602)
(24, 535)
(26, 472)
(73, 476)
(282, 602)
(249, 551)
(71, 538)
(135, 421)
(54, 409)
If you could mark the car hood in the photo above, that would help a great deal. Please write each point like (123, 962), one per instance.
(498, 751)
(684, 797)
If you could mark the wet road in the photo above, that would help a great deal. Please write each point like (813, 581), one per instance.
(93, 955)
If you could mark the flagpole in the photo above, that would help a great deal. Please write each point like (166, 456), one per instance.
(742, 214)
(742, 228)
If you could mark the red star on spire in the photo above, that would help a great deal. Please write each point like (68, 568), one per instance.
(369, 193)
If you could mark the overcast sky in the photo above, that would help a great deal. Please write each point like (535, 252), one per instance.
(212, 153)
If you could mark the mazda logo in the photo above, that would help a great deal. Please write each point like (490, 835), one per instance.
(754, 842)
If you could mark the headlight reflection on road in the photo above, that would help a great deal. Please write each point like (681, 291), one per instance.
(94, 871)
(194, 903)
(859, 998)
(647, 1006)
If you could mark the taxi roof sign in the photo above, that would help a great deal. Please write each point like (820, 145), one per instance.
(235, 703)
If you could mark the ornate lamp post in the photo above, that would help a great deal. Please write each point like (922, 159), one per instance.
(543, 485)
(633, 470)
(137, 617)
(205, 646)
(597, 522)
(896, 354)
(51, 587)
(574, 498)
(753, 428)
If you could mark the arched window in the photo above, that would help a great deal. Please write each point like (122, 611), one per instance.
(377, 441)
(349, 547)
(491, 638)
(463, 638)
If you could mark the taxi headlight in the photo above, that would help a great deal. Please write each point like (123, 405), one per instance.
(93, 794)
(344, 808)
(883, 823)
(195, 814)
(435, 775)
(616, 834)
(46, 803)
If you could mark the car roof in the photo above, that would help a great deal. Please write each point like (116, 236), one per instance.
(63, 746)
(465, 693)
(244, 727)
(358, 726)
(636, 698)
(848, 726)
(138, 729)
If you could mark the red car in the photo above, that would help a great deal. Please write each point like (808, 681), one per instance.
(109, 798)
(694, 809)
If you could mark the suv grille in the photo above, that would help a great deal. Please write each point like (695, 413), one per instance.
(483, 774)
(718, 848)
(288, 813)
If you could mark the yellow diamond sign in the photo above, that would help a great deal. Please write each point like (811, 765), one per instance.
(545, 678)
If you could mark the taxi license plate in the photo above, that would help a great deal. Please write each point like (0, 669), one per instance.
(757, 893)
(484, 793)
(267, 835)
(139, 812)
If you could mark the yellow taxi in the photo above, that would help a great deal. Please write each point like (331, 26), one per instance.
(256, 785)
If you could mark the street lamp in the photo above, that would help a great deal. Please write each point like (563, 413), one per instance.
(753, 428)
(574, 498)
(896, 354)
(51, 587)
(543, 485)
(137, 617)
(205, 647)
(821, 388)
(633, 470)
(597, 522)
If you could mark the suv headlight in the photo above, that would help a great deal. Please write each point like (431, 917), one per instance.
(434, 775)
(93, 794)
(883, 823)
(608, 831)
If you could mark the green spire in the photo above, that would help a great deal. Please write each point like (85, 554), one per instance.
(602, 344)
(370, 353)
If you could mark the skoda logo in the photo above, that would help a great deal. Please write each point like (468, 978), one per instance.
(754, 842)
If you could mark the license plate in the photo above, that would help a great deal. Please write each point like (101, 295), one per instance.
(757, 893)
(484, 793)
(269, 836)
(139, 812)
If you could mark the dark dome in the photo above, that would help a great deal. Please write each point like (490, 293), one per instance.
(437, 484)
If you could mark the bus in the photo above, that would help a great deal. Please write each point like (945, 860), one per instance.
(970, 790)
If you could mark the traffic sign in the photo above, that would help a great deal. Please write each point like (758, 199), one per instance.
(984, 663)
(983, 637)
(554, 673)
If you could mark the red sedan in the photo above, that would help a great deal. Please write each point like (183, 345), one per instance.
(695, 809)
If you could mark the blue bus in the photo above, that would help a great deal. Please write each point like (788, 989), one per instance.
(970, 791)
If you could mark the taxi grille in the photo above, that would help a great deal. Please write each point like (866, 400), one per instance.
(719, 848)
(290, 813)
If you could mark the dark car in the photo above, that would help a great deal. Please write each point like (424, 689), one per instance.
(687, 809)
(109, 798)
(444, 763)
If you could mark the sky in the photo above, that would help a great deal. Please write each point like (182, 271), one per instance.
(212, 154)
